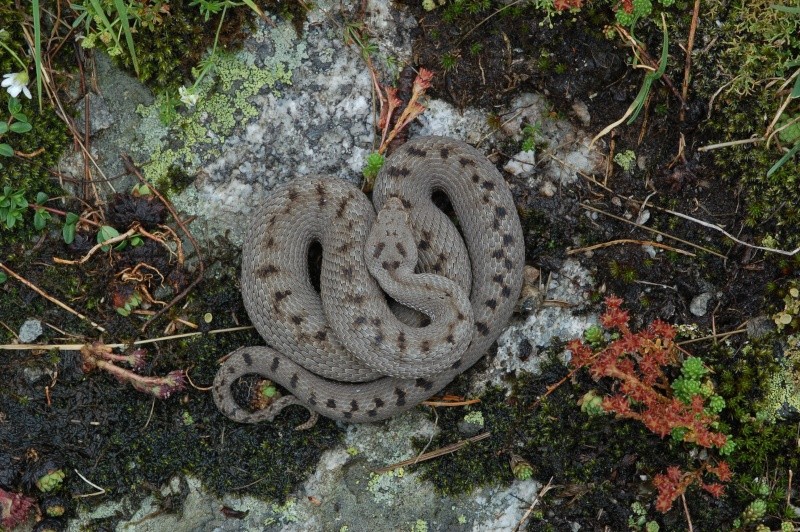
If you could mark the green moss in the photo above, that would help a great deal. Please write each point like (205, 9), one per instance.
(224, 103)
(755, 46)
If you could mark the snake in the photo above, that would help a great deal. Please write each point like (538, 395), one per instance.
(408, 298)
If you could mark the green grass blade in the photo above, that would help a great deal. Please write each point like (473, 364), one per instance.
(252, 5)
(37, 49)
(122, 9)
(789, 154)
(98, 9)
(638, 103)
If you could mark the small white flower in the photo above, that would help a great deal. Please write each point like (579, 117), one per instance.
(15, 83)
(188, 96)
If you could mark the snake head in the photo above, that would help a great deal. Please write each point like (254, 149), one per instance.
(390, 245)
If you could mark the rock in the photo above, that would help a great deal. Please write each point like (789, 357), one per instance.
(30, 331)
(581, 111)
(100, 117)
(523, 163)
(699, 304)
(759, 327)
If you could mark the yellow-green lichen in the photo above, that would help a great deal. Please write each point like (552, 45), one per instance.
(225, 102)
(782, 387)
(383, 486)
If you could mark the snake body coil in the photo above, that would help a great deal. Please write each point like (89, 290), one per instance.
(342, 351)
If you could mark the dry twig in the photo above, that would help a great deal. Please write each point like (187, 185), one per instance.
(435, 454)
(48, 297)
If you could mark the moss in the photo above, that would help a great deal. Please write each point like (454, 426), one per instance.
(755, 46)
(224, 103)
(167, 52)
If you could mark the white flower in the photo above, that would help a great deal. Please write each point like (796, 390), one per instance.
(15, 83)
(188, 96)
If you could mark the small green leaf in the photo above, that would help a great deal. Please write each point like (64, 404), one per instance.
(40, 219)
(3, 277)
(68, 232)
(21, 127)
(136, 241)
(106, 233)
(10, 220)
(20, 117)
(14, 106)
(41, 197)
(3, 127)
(6, 150)
(71, 218)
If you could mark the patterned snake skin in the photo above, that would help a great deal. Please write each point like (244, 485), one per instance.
(342, 352)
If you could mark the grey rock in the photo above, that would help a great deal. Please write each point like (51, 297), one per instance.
(30, 331)
(759, 327)
(699, 304)
(100, 117)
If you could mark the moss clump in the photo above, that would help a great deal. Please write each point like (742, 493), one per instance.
(169, 47)
(755, 46)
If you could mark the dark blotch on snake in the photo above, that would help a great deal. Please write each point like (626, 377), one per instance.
(275, 363)
(482, 328)
(424, 384)
(487, 185)
(378, 249)
(491, 303)
(293, 382)
(267, 270)
(399, 171)
(331, 403)
(321, 335)
(416, 152)
(248, 359)
(401, 396)
(444, 153)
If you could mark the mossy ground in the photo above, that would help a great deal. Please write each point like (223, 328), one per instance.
(107, 432)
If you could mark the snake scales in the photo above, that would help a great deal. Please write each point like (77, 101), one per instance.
(343, 352)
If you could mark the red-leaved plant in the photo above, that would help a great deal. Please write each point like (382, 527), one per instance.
(636, 362)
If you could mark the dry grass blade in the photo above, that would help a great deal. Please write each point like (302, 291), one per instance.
(435, 454)
(629, 241)
(656, 231)
(48, 297)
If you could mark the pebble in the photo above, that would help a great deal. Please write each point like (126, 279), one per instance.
(30, 331)
(699, 304)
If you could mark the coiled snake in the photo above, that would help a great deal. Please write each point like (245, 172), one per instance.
(342, 352)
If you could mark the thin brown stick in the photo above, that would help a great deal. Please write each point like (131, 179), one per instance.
(656, 231)
(451, 403)
(48, 297)
(629, 241)
(687, 68)
(131, 167)
(435, 454)
(542, 492)
(77, 347)
(686, 512)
